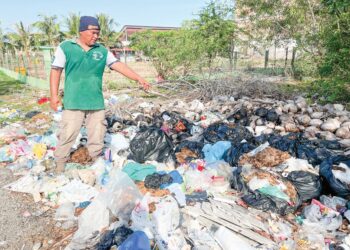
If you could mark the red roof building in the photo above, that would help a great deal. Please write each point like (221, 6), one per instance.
(124, 39)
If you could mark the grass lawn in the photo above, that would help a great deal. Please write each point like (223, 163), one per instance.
(9, 85)
(15, 95)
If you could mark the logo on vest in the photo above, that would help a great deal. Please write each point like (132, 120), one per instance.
(96, 55)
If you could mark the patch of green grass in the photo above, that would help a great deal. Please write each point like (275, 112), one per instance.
(268, 71)
(9, 85)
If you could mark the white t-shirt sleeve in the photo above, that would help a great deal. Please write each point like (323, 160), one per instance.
(111, 59)
(59, 60)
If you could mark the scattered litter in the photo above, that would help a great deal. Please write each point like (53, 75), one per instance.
(201, 175)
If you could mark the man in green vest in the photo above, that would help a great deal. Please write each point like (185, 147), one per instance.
(84, 61)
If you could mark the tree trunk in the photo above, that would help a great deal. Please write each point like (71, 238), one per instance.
(286, 59)
(275, 55)
(231, 55)
(293, 61)
(266, 58)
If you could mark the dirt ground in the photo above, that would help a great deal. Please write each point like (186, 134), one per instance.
(22, 221)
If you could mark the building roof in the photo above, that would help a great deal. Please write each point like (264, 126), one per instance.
(143, 27)
(127, 30)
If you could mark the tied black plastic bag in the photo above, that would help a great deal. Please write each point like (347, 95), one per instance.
(312, 151)
(270, 203)
(155, 180)
(272, 116)
(151, 144)
(269, 115)
(176, 122)
(312, 154)
(195, 146)
(240, 117)
(308, 185)
(262, 112)
(237, 181)
(285, 143)
(192, 146)
(337, 187)
(223, 132)
(114, 238)
(233, 154)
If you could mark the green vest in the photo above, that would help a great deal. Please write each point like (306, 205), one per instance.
(83, 76)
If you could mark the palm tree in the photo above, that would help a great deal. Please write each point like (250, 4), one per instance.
(107, 29)
(22, 40)
(49, 28)
(72, 23)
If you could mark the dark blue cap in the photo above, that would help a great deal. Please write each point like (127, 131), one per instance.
(86, 21)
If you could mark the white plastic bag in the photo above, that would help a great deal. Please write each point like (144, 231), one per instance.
(121, 194)
(65, 212)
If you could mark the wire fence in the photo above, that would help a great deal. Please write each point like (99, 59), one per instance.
(31, 64)
(37, 64)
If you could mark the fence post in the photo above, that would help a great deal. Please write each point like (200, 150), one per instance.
(7, 60)
(286, 59)
(47, 59)
(12, 63)
(293, 60)
(266, 58)
(235, 59)
(18, 63)
(35, 65)
(2, 59)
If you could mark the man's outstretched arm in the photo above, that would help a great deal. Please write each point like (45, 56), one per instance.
(129, 73)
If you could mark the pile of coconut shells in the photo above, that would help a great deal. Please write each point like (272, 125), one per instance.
(266, 116)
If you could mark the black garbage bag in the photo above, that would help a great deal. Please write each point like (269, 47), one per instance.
(261, 112)
(113, 119)
(240, 117)
(314, 155)
(285, 143)
(155, 180)
(237, 181)
(144, 119)
(31, 114)
(332, 145)
(176, 122)
(261, 139)
(151, 144)
(194, 146)
(269, 203)
(313, 151)
(223, 132)
(308, 185)
(271, 116)
(114, 238)
(232, 155)
(337, 187)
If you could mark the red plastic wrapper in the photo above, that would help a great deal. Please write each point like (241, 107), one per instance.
(43, 100)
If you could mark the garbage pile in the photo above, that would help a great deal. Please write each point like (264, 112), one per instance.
(253, 173)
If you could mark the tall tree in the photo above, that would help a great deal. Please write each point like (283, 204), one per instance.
(21, 41)
(72, 24)
(49, 29)
(107, 32)
(216, 30)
